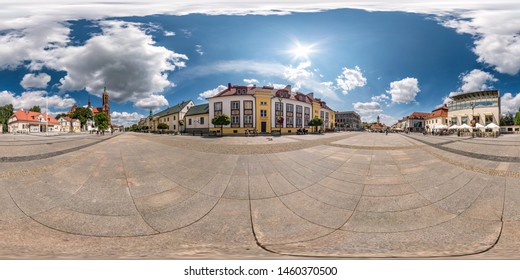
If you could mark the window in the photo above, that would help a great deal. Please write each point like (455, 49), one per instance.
(248, 119)
(290, 108)
(189, 121)
(299, 109)
(454, 121)
(235, 119)
(248, 105)
(235, 105)
(307, 110)
(217, 106)
(263, 103)
(201, 121)
(263, 113)
(321, 115)
(173, 117)
(174, 127)
(278, 106)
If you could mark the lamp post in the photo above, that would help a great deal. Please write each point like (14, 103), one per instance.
(473, 122)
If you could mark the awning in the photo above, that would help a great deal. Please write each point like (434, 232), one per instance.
(488, 113)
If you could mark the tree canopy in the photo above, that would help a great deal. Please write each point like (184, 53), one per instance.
(221, 120)
(36, 108)
(517, 118)
(6, 112)
(83, 114)
(162, 126)
(315, 123)
(101, 120)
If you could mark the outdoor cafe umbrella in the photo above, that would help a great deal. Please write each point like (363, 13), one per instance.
(492, 126)
(465, 126)
(441, 126)
(479, 126)
(454, 126)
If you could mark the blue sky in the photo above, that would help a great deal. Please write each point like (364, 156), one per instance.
(377, 60)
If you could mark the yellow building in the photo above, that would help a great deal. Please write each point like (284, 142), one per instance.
(266, 109)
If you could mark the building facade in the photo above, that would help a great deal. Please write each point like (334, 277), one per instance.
(416, 122)
(23, 121)
(437, 117)
(197, 119)
(349, 120)
(69, 125)
(266, 109)
(475, 107)
(172, 116)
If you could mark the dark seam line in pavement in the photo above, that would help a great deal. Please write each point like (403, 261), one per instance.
(470, 154)
(132, 197)
(51, 154)
(382, 148)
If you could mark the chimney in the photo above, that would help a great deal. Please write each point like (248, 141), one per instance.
(229, 86)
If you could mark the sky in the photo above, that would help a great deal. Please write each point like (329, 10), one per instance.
(379, 58)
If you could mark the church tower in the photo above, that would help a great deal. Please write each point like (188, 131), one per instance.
(106, 106)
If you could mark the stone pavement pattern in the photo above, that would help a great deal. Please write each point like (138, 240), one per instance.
(337, 195)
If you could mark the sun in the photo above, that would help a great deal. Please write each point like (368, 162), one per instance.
(302, 51)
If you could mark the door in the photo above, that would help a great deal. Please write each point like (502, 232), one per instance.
(264, 127)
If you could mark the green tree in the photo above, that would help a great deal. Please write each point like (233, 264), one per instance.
(83, 114)
(162, 126)
(517, 118)
(6, 112)
(221, 120)
(61, 115)
(36, 108)
(316, 122)
(101, 120)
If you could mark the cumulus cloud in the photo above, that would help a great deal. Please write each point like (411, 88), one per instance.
(277, 86)
(211, 92)
(125, 118)
(476, 80)
(351, 79)
(251, 81)
(404, 91)
(151, 102)
(510, 103)
(169, 33)
(367, 108)
(29, 99)
(380, 98)
(35, 81)
(125, 59)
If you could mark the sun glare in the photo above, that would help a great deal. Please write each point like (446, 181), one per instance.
(301, 51)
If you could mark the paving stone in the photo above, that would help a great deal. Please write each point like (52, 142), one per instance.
(238, 187)
(391, 203)
(279, 184)
(275, 224)
(163, 200)
(259, 187)
(332, 197)
(342, 186)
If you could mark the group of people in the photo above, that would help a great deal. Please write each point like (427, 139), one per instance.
(302, 131)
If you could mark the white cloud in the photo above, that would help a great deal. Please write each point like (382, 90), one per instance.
(476, 80)
(380, 98)
(35, 81)
(125, 118)
(367, 108)
(251, 81)
(169, 33)
(198, 49)
(404, 91)
(277, 86)
(124, 58)
(510, 103)
(151, 102)
(211, 92)
(351, 79)
(29, 99)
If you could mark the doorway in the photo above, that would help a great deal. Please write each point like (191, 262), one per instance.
(264, 127)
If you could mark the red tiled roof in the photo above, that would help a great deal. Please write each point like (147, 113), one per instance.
(96, 110)
(439, 112)
(28, 116)
(69, 119)
(418, 115)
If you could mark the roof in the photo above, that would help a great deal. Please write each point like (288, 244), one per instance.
(29, 116)
(438, 113)
(69, 119)
(418, 115)
(476, 94)
(173, 110)
(198, 109)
